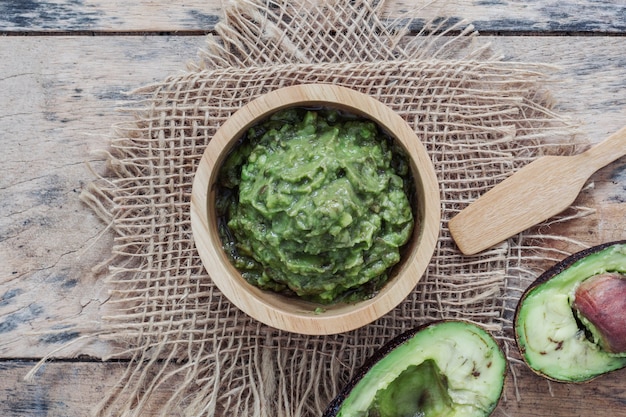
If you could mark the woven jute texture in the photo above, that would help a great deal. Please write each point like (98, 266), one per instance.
(193, 352)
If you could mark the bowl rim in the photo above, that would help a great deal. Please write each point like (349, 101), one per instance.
(288, 313)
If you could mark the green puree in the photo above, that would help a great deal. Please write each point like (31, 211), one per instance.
(315, 203)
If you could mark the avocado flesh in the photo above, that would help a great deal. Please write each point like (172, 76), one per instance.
(420, 390)
(450, 368)
(553, 342)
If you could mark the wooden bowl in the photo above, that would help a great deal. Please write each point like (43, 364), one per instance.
(290, 313)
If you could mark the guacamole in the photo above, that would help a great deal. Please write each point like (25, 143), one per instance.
(316, 203)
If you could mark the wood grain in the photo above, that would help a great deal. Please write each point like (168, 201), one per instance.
(534, 194)
(530, 16)
(59, 99)
(71, 389)
(59, 95)
(62, 389)
(277, 310)
(502, 16)
(61, 108)
(18, 16)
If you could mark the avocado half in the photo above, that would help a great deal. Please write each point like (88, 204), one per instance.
(451, 368)
(564, 318)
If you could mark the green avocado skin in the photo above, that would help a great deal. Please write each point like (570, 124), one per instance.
(554, 342)
(317, 204)
(446, 368)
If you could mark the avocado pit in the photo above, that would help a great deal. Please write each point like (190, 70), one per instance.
(600, 303)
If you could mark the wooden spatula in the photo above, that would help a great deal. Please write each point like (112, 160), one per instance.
(538, 191)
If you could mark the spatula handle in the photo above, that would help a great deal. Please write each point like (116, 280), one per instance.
(541, 189)
(605, 152)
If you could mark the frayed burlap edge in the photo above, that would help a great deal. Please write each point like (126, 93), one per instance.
(479, 117)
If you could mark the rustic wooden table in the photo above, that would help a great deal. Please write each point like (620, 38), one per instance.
(64, 67)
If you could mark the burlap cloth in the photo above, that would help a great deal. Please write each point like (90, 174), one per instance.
(193, 352)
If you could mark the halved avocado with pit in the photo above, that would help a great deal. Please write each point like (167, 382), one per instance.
(570, 324)
(446, 368)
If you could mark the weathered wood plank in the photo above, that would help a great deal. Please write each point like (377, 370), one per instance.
(108, 15)
(533, 16)
(68, 389)
(589, 81)
(72, 389)
(57, 105)
(20, 16)
(59, 99)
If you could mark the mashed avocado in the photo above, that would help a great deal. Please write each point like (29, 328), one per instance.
(315, 203)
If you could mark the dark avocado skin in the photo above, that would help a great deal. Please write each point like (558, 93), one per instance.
(545, 277)
(333, 408)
